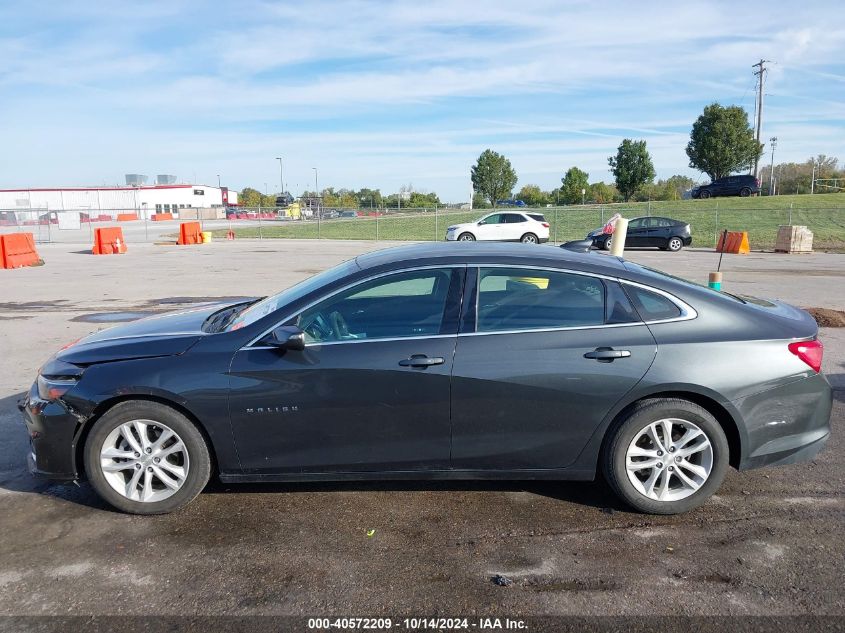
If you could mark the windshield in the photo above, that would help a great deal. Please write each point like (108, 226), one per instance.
(266, 306)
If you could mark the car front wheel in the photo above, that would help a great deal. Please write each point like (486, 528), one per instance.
(675, 244)
(466, 237)
(666, 456)
(606, 244)
(146, 458)
(704, 194)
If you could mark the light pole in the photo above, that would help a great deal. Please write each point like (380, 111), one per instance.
(317, 200)
(281, 174)
(218, 181)
(774, 142)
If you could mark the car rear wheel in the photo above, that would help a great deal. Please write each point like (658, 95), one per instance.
(529, 238)
(745, 192)
(146, 458)
(665, 456)
(675, 244)
(466, 237)
(704, 194)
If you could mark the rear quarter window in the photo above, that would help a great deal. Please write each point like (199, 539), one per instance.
(652, 306)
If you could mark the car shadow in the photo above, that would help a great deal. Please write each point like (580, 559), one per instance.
(594, 494)
(15, 477)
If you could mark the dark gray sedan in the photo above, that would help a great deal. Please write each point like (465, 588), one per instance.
(441, 361)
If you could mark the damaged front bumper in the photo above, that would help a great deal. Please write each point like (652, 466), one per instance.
(53, 433)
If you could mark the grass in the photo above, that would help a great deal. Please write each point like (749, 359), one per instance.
(824, 214)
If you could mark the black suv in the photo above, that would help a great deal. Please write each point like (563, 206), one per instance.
(744, 186)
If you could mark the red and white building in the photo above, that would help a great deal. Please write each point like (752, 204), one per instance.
(145, 200)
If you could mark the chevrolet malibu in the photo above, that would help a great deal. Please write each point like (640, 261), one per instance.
(485, 361)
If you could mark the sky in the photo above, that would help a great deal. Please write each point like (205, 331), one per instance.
(386, 94)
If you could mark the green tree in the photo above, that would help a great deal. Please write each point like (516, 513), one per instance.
(674, 187)
(722, 141)
(601, 193)
(493, 176)
(573, 182)
(369, 198)
(632, 167)
(532, 195)
(421, 200)
(479, 201)
(249, 197)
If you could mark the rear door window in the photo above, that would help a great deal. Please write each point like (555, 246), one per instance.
(529, 299)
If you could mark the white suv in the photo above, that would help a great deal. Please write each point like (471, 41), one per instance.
(504, 226)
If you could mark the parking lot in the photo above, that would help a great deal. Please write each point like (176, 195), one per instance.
(770, 542)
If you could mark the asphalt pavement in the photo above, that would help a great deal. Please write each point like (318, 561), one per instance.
(769, 543)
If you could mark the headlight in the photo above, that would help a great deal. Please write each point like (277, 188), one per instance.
(50, 388)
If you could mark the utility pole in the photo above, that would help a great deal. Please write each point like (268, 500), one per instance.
(813, 176)
(761, 73)
(774, 142)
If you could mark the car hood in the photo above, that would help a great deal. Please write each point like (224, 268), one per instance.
(465, 225)
(161, 335)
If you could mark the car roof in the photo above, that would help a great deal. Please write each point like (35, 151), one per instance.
(491, 253)
(656, 217)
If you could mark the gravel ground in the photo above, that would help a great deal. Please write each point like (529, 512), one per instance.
(770, 542)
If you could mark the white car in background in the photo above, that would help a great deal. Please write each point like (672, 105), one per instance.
(503, 226)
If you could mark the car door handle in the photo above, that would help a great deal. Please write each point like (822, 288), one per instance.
(421, 360)
(607, 354)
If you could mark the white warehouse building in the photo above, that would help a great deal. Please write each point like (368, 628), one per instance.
(145, 200)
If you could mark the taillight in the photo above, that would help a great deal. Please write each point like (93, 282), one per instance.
(546, 224)
(810, 352)
(757, 180)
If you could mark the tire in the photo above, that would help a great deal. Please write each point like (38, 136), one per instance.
(529, 238)
(466, 237)
(704, 194)
(674, 244)
(631, 433)
(187, 469)
(745, 192)
(605, 245)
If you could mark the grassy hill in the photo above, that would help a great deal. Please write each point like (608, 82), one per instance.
(824, 214)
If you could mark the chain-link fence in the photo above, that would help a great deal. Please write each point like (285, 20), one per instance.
(761, 218)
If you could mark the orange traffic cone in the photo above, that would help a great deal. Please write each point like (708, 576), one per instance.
(230, 235)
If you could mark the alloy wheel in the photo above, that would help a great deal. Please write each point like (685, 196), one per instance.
(466, 237)
(669, 459)
(144, 460)
(675, 244)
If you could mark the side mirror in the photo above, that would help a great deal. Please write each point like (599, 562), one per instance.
(287, 337)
